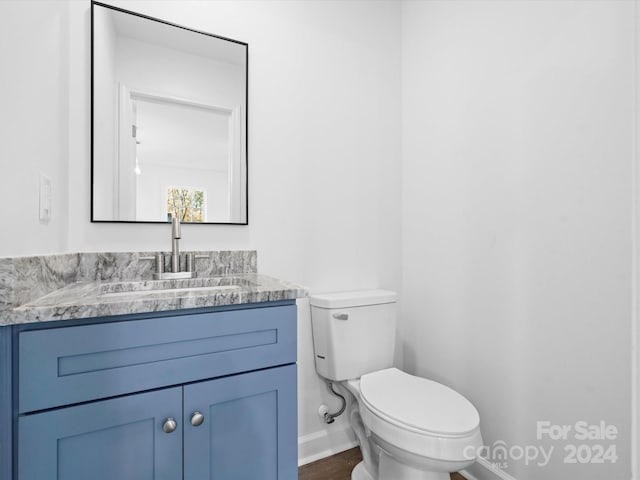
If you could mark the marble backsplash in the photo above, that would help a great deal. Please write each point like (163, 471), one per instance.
(23, 279)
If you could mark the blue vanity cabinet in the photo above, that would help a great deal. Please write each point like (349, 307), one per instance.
(94, 400)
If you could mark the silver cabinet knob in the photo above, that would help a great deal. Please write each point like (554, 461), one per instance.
(169, 425)
(196, 419)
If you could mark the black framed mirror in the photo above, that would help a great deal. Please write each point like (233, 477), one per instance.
(168, 121)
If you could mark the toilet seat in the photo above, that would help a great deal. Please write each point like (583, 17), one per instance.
(418, 416)
(418, 404)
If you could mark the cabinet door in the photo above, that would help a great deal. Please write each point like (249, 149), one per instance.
(121, 438)
(249, 430)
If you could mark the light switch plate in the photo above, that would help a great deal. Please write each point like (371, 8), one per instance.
(45, 198)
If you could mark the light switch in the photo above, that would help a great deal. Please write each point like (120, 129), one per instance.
(45, 198)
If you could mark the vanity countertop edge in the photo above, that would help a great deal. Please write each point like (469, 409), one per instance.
(80, 300)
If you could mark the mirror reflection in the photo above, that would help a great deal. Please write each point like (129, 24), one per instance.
(169, 122)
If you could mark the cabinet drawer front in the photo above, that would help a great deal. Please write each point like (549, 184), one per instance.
(74, 364)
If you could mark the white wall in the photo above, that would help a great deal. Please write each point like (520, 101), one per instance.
(517, 151)
(33, 124)
(324, 152)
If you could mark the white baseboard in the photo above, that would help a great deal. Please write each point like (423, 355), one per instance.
(485, 470)
(467, 475)
(322, 444)
(338, 438)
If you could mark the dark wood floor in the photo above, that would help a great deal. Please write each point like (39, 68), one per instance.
(338, 467)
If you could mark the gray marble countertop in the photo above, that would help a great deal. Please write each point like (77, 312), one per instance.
(90, 299)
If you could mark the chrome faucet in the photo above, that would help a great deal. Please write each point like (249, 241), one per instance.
(176, 271)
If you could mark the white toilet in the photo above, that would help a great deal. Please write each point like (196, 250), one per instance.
(409, 428)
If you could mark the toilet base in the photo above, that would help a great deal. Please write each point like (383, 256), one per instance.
(360, 473)
(391, 469)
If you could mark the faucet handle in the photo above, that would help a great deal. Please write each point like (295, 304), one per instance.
(159, 259)
(159, 262)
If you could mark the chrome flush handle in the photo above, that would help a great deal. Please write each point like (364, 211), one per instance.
(341, 316)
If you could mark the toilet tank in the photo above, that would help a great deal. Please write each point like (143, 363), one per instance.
(353, 332)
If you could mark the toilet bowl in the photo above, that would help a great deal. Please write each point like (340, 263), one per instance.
(408, 427)
(418, 424)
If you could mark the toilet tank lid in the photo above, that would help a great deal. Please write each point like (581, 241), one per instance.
(352, 299)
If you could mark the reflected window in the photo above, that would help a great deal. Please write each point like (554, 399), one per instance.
(186, 203)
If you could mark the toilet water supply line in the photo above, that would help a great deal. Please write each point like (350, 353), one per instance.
(330, 417)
